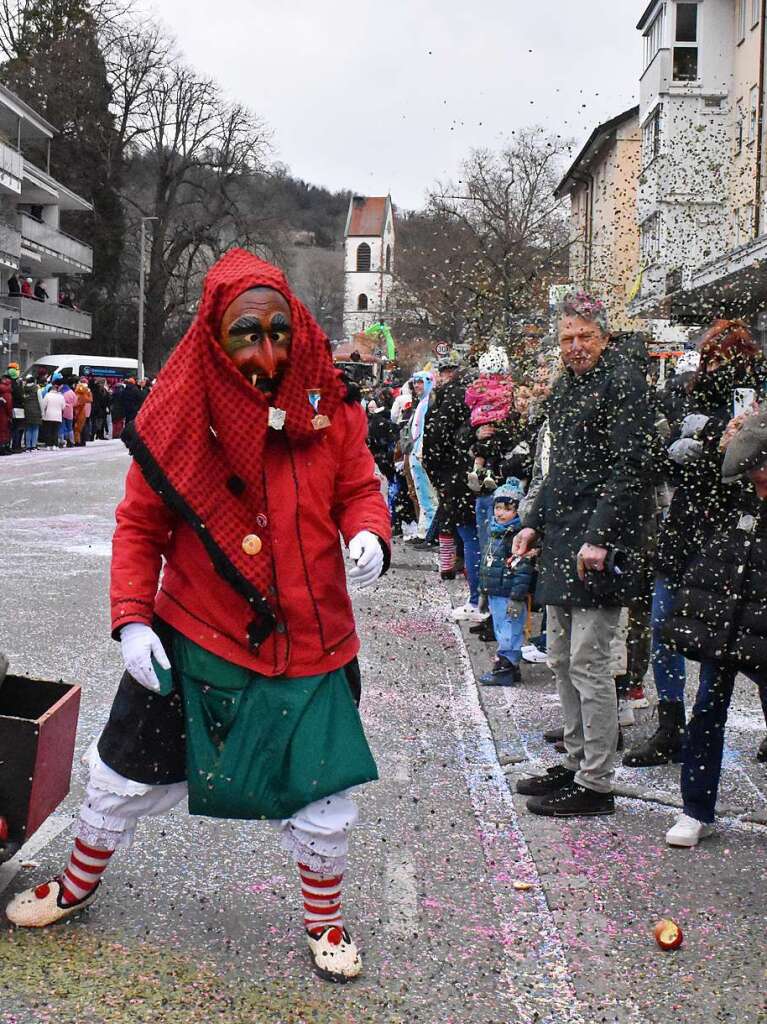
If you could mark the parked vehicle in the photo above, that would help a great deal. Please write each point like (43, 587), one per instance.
(72, 367)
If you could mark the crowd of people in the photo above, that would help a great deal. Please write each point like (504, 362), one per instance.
(629, 514)
(49, 413)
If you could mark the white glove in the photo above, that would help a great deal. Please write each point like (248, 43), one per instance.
(139, 643)
(693, 424)
(685, 451)
(367, 554)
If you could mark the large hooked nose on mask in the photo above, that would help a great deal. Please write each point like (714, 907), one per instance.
(256, 333)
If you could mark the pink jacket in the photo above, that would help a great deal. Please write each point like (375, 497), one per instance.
(490, 398)
(70, 400)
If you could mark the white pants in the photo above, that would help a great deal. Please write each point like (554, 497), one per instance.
(317, 835)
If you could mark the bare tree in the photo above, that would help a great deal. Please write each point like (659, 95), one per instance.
(517, 240)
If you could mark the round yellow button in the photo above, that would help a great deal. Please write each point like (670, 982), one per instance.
(251, 544)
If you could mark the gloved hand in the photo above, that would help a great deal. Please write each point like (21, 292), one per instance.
(367, 554)
(685, 450)
(139, 643)
(693, 424)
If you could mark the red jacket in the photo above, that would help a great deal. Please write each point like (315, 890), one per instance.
(312, 492)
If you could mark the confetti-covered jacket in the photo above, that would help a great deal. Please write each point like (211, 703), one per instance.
(600, 483)
(719, 613)
(496, 578)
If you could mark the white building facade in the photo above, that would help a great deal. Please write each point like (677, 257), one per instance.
(369, 241)
(701, 123)
(32, 245)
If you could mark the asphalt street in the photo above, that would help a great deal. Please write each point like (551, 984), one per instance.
(468, 909)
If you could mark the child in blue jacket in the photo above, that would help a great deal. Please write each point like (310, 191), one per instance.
(507, 582)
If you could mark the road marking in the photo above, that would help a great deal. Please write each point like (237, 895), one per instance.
(47, 832)
(502, 836)
(400, 895)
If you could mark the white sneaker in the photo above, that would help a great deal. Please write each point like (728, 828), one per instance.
(534, 655)
(467, 613)
(688, 831)
(626, 712)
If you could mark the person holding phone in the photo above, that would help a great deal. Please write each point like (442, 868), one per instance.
(730, 365)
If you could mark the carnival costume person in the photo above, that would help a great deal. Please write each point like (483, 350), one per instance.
(242, 682)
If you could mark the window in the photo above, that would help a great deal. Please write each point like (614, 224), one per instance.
(686, 55)
(653, 37)
(742, 17)
(388, 259)
(756, 12)
(651, 136)
(362, 302)
(753, 114)
(363, 257)
(739, 128)
(744, 224)
(650, 239)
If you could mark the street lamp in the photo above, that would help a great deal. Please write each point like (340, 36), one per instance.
(140, 353)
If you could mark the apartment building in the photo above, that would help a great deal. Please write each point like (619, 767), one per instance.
(602, 184)
(32, 245)
(701, 198)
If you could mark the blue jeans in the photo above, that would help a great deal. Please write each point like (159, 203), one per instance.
(509, 628)
(668, 667)
(471, 555)
(32, 434)
(704, 741)
(484, 513)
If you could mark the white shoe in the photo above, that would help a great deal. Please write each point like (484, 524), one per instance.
(467, 613)
(334, 955)
(41, 906)
(534, 655)
(626, 712)
(688, 831)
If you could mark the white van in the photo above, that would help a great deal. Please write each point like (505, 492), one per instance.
(68, 365)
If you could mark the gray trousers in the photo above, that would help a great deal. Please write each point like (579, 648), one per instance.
(579, 642)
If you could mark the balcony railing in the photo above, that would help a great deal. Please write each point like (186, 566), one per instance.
(55, 243)
(11, 169)
(49, 317)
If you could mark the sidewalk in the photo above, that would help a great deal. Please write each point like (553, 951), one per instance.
(606, 881)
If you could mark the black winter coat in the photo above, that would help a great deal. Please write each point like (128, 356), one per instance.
(382, 438)
(446, 439)
(701, 504)
(599, 486)
(133, 399)
(720, 613)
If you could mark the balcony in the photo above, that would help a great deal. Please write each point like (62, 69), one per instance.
(48, 319)
(53, 251)
(11, 170)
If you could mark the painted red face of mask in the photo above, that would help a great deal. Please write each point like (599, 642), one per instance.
(255, 333)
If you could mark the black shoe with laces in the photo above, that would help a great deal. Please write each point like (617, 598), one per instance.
(543, 785)
(573, 801)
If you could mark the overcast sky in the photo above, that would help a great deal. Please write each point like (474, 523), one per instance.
(389, 95)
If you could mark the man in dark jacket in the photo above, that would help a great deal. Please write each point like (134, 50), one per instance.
(133, 399)
(592, 513)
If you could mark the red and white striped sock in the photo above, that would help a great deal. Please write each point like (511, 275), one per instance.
(447, 552)
(85, 868)
(322, 899)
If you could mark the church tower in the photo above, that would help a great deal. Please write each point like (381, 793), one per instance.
(368, 262)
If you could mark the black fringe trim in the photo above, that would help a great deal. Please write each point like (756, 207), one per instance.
(259, 629)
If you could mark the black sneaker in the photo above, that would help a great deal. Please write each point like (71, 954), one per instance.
(542, 785)
(573, 801)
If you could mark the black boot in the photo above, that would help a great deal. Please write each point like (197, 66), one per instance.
(665, 744)
(554, 735)
(761, 754)
(484, 630)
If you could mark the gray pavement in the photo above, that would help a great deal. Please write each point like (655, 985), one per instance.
(468, 908)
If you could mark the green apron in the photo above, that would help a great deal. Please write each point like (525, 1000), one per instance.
(261, 747)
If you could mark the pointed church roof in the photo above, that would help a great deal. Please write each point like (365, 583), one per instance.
(367, 215)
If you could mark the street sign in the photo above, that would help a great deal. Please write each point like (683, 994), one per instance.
(441, 349)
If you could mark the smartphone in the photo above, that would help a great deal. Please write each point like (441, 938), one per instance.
(743, 401)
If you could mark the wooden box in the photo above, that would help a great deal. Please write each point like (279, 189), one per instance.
(38, 723)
